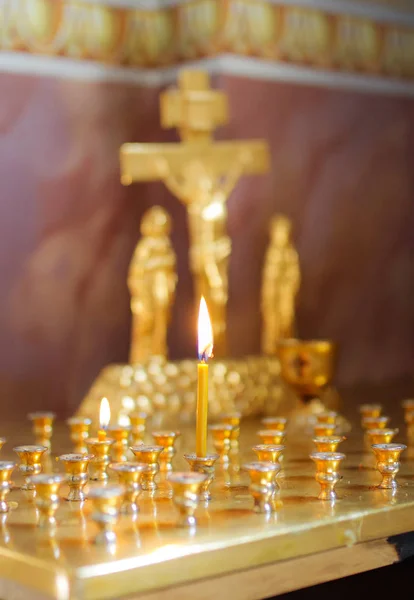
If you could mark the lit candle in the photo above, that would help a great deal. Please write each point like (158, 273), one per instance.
(205, 351)
(104, 418)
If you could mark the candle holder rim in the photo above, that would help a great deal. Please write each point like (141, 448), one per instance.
(166, 433)
(7, 464)
(275, 419)
(107, 491)
(29, 448)
(186, 477)
(75, 457)
(222, 427)
(330, 439)
(97, 442)
(328, 456)
(79, 420)
(146, 448)
(275, 432)
(390, 446)
(382, 431)
(269, 447)
(118, 428)
(264, 466)
(129, 467)
(203, 459)
(47, 478)
(380, 418)
(39, 414)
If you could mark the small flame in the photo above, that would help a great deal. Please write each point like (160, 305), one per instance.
(104, 413)
(205, 332)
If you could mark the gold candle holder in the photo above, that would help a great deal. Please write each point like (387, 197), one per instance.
(167, 440)
(274, 423)
(107, 501)
(129, 476)
(204, 465)
(6, 469)
(138, 422)
(221, 433)
(408, 406)
(388, 463)
(30, 463)
(327, 465)
(47, 497)
(232, 419)
(76, 471)
(263, 485)
(370, 410)
(324, 429)
(269, 453)
(271, 436)
(328, 417)
(2, 442)
(148, 455)
(380, 436)
(42, 427)
(375, 422)
(79, 433)
(186, 495)
(100, 450)
(120, 435)
(328, 443)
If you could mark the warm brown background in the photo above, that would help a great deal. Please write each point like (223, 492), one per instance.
(342, 169)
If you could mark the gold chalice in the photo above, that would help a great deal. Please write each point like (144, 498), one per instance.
(307, 366)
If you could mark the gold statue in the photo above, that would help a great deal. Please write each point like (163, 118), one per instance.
(202, 174)
(281, 280)
(151, 281)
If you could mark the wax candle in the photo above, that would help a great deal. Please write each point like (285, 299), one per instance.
(104, 418)
(205, 351)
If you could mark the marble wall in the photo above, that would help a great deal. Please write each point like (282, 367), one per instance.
(341, 169)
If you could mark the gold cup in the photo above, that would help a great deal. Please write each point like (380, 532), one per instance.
(6, 469)
(138, 421)
(30, 463)
(263, 485)
(327, 465)
(42, 427)
(129, 476)
(328, 443)
(375, 422)
(274, 423)
(307, 365)
(269, 453)
(107, 501)
(204, 465)
(370, 410)
(221, 433)
(167, 440)
(388, 463)
(2, 442)
(324, 429)
(186, 495)
(47, 497)
(76, 471)
(271, 436)
(148, 455)
(100, 450)
(380, 436)
(120, 435)
(232, 419)
(328, 417)
(79, 433)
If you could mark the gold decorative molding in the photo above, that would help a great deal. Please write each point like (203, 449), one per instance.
(133, 35)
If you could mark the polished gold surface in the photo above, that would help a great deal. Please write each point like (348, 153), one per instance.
(186, 489)
(149, 456)
(6, 469)
(76, 470)
(151, 553)
(167, 440)
(307, 365)
(280, 285)
(202, 174)
(130, 476)
(152, 280)
(269, 452)
(100, 450)
(327, 466)
(30, 462)
(46, 497)
(263, 487)
(388, 463)
(106, 502)
(206, 466)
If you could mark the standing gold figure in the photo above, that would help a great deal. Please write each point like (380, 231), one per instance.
(151, 281)
(201, 173)
(281, 280)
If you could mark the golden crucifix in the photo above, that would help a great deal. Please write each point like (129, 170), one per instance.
(202, 174)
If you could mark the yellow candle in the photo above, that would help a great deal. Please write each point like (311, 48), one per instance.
(104, 418)
(101, 435)
(205, 350)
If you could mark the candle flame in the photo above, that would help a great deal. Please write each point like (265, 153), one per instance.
(205, 332)
(104, 413)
